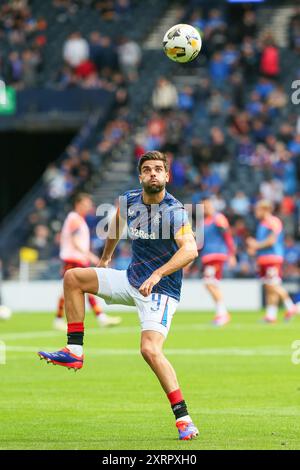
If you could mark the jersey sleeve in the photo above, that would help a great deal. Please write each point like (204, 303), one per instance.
(222, 222)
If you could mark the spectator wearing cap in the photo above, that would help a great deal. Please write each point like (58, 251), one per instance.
(130, 56)
(269, 62)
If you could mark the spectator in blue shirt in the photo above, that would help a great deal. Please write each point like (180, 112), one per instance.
(254, 106)
(294, 145)
(291, 250)
(218, 69)
(186, 100)
(178, 173)
(215, 19)
(231, 55)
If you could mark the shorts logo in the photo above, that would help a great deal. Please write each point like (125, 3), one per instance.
(136, 233)
(272, 272)
(156, 218)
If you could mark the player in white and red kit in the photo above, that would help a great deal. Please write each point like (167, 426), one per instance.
(75, 253)
(162, 244)
(268, 247)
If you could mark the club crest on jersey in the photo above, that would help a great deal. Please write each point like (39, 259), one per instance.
(138, 233)
(156, 218)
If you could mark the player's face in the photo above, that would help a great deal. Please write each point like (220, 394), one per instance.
(153, 176)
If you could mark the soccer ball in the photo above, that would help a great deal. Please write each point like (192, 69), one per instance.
(5, 312)
(182, 43)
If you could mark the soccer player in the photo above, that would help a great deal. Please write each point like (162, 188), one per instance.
(218, 247)
(75, 253)
(162, 244)
(268, 246)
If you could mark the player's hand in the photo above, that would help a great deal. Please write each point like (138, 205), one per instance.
(93, 259)
(188, 267)
(147, 286)
(232, 261)
(103, 263)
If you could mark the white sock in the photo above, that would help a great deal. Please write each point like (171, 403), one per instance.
(289, 304)
(271, 311)
(221, 309)
(186, 418)
(75, 349)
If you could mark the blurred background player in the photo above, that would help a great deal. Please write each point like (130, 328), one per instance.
(218, 247)
(75, 253)
(152, 281)
(268, 246)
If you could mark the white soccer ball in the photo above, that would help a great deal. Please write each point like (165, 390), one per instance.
(182, 43)
(5, 312)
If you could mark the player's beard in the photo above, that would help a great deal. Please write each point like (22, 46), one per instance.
(153, 188)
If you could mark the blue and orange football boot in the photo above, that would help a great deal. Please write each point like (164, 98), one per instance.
(186, 430)
(63, 358)
(289, 314)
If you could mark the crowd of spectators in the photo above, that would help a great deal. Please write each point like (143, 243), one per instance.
(232, 121)
(294, 31)
(25, 36)
(250, 126)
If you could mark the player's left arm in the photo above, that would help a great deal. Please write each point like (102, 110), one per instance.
(115, 230)
(186, 253)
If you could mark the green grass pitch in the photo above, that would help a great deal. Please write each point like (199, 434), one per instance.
(241, 387)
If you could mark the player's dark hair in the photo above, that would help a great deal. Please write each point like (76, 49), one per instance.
(153, 155)
(79, 197)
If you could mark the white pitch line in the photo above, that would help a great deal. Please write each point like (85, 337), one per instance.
(261, 351)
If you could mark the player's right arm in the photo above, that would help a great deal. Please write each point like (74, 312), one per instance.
(76, 244)
(115, 231)
(223, 225)
(275, 227)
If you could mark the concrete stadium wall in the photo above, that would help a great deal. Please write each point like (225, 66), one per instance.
(39, 296)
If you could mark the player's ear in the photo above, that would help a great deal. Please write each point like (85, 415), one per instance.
(167, 176)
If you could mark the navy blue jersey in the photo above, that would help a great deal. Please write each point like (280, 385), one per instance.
(152, 228)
